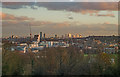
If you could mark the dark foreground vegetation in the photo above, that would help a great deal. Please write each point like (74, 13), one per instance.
(58, 61)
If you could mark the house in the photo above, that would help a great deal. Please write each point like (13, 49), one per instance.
(22, 49)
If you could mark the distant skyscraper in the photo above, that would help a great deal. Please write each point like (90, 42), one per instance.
(55, 36)
(69, 35)
(12, 36)
(80, 36)
(40, 36)
(73, 36)
(37, 38)
(44, 35)
(77, 35)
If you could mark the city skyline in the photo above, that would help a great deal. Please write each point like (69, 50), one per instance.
(59, 18)
(67, 35)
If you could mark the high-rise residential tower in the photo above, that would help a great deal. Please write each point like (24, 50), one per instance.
(40, 36)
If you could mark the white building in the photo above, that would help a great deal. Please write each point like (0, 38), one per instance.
(34, 44)
(69, 35)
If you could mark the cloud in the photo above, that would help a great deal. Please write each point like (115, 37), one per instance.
(68, 6)
(12, 17)
(36, 23)
(65, 26)
(89, 11)
(15, 22)
(15, 5)
(22, 27)
(105, 15)
(106, 22)
(11, 20)
(87, 29)
(90, 8)
(79, 6)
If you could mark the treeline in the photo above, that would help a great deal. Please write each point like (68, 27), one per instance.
(57, 61)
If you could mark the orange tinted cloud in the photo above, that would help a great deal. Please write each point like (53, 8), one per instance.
(107, 23)
(89, 12)
(12, 17)
(2, 15)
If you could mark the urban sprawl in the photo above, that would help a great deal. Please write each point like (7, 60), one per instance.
(90, 44)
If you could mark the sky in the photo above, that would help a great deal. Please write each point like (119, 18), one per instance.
(85, 18)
